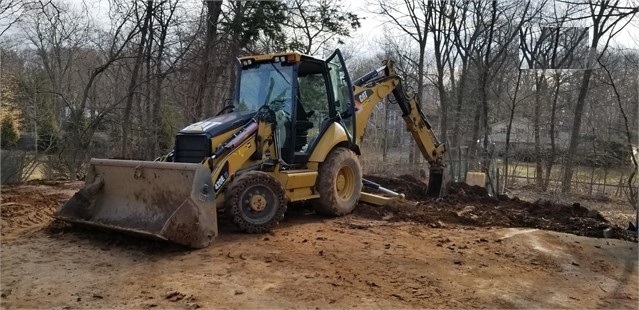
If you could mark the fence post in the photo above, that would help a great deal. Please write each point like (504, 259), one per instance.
(605, 180)
(460, 163)
(619, 190)
(497, 190)
(592, 180)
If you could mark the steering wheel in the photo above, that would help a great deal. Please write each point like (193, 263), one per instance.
(278, 105)
(229, 108)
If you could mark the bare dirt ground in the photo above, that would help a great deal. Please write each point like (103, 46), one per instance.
(464, 251)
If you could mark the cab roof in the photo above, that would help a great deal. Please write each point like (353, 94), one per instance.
(289, 56)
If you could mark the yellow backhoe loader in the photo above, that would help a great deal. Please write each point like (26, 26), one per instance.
(293, 133)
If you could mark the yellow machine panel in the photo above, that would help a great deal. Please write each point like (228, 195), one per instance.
(334, 135)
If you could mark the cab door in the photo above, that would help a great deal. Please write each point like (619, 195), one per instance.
(342, 91)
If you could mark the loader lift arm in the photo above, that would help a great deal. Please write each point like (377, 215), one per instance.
(376, 85)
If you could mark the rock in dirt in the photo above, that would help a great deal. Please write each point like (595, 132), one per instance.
(174, 296)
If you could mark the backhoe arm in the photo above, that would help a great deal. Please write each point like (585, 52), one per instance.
(371, 89)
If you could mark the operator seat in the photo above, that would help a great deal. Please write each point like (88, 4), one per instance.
(302, 125)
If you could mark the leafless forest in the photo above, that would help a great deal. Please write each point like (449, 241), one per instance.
(551, 85)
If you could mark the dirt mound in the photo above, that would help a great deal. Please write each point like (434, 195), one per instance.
(28, 207)
(408, 185)
(21, 213)
(471, 205)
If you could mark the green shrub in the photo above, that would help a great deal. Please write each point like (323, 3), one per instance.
(8, 132)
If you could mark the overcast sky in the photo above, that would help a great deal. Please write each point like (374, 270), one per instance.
(365, 41)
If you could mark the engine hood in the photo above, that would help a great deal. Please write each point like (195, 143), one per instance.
(218, 124)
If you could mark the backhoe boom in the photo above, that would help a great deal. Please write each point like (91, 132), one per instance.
(372, 88)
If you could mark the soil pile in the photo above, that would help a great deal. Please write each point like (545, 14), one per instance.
(26, 210)
(413, 188)
(471, 205)
(28, 207)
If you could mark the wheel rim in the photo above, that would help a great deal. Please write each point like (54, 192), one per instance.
(345, 182)
(258, 204)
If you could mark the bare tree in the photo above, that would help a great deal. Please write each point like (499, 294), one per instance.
(441, 28)
(144, 19)
(11, 12)
(608, 17)
(164, 18)
(501, 29)
(317, 24)
(533, 54)
(465, 37)
(557, 62)
(629, 133)
(65, 42)
(210, 67)
(514, 101)
(413, 18)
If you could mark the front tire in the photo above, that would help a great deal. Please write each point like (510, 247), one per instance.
(256, 201)
(340, 183)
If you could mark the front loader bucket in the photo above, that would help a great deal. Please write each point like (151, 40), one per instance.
(168, 201)
(437, 182)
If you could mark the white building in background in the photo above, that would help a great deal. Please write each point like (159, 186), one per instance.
(522, 136)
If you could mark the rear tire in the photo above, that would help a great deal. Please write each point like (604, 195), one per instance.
(340, 183)
(256, 201)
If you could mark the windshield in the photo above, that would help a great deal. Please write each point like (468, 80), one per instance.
(266, 83)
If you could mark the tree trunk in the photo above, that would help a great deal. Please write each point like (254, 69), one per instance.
(553, 115)
(126, 119)
(235, 45)
(484, 84)
(536, 129)
(476, 123)
(414, 156)
(511, 117)
(204, 92)
(441, 53)
(147, 118)
(385, 141)
(441, 49)
(443, 101)
(156, 117)
(576, 129)
(458, 106)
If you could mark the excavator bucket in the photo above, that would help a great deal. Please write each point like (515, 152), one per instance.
(161, 200)
(437, 182)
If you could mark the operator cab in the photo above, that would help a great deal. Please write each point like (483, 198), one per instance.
(306, 94)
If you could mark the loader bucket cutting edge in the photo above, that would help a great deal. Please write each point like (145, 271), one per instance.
(167, 201)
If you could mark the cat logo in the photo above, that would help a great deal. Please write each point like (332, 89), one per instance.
(363, 96)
